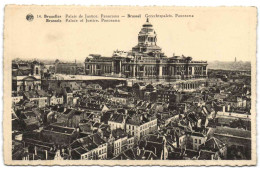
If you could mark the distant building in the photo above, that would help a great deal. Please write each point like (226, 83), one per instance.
(26, 76)
(56, 99)
(145, 61)
(65, 68)
(38, 97)
(16, 97)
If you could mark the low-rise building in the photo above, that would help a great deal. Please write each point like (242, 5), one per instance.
(60, 135)
(213, 149)
(117, 121)
(92, 147)
(121, 140)
(140, 125)
(56, 99)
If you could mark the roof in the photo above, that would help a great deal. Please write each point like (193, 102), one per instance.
(233, 132)
(97, 107)
(213, 144)
(68, 111)
(89, 142)
(138, 119)
(136, 154)
(105, 117)
(191, 153)
(117, 118)
(119, 133)
(197, 134)
(155, 139)
(60, 129)
(153, 143)
(206, 155)
(97, 139)
(80, 150)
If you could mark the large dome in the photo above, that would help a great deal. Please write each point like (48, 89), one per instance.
(147, 39)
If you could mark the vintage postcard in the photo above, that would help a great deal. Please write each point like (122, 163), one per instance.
(122, 85)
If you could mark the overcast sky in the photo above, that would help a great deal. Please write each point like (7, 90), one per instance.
(212, 34)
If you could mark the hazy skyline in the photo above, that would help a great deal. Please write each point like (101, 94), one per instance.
(212, 34)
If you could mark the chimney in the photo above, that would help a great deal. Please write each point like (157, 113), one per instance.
(224, 109)
(138, 151)
(35, 150)
(69, 152)
(46, 154)
(212, 157)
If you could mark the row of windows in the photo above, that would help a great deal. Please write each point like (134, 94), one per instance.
(197, 141)
(131, 127)
(148, 125)
(130, 141)
(115, 126)
(117, 151)
(117, 144)
(102, 151)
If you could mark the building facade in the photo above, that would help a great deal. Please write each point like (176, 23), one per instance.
(65, 68)
(26, 76)
(145, 61)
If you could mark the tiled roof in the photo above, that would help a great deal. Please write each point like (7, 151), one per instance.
(119, 133)
(213, 144)
(136, 154)
(233, 132)
(60, 129)
(117, 118)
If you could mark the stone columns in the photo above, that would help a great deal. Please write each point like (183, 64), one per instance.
(192, 70)
(160, 70)
(120, 68)
(112, 68)
(134, 70)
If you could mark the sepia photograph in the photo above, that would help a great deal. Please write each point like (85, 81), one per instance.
(121, 85)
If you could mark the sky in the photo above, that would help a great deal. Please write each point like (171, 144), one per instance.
(212, 34)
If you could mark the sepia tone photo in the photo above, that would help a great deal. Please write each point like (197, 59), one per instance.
(171, 86)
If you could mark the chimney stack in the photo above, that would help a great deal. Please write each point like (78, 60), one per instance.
(138, 151)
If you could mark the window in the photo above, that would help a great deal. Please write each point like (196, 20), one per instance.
(195, 140)
(199, 141)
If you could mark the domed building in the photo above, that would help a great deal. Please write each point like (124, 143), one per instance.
(146, 61)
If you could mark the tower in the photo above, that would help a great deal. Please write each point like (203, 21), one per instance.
(147, 39)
